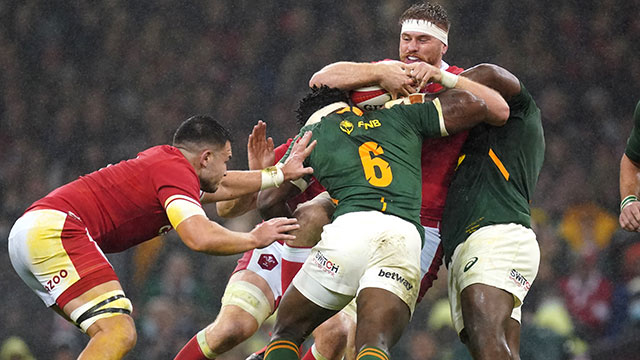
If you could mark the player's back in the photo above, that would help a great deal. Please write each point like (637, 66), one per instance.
(123, 204)
(371, 161)
(496, 177)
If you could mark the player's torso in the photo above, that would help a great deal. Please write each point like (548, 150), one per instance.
(119, 204)
(369, 162)
(439, 159)
(495, 180)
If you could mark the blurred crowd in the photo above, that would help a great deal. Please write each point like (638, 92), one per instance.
(87, 83)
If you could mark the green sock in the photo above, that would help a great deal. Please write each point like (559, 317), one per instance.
(372, 353)
(282, 349)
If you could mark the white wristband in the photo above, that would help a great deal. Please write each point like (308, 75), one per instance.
(448, 79)
(272, 176)
(627, 200)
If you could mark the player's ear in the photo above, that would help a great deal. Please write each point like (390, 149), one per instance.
(205, 158)
(444, 49)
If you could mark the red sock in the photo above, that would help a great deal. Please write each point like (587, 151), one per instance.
(309, 355)
(191, 351)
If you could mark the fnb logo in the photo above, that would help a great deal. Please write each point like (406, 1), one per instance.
(519, 279)
(325, 264)
(397, 277)
(267, 261)
(371, 124)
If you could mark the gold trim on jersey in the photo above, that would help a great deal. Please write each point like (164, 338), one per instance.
(499, 164)
(181, 207)
(438, 105)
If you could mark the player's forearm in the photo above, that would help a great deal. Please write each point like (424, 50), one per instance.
(236, 207)
(346, 75)
(203, 235)
(497, 107)
(235, 184)
(272, 202)
(629, 178)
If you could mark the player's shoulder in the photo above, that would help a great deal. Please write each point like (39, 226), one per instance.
(163, 157)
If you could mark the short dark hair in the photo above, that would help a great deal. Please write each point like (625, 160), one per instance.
(316, 99)
(433, 12)
(201, 130)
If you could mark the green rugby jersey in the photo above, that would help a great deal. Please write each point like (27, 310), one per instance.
(633, 144)
(496, 175)
(371, 161)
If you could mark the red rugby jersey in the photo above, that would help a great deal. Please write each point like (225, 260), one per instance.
(122, 205)
(439, 160)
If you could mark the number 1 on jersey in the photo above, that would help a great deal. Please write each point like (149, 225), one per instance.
(383, 176)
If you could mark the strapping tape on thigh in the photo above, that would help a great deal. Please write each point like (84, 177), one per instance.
(106, 305)
(249, 298)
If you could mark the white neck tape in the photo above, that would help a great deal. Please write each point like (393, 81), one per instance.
(425, 27)
(319, 114)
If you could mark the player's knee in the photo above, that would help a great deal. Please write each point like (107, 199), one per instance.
(126, 332)
(231, 332)
(117, 331)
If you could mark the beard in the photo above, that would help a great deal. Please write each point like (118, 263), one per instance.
(208, 186)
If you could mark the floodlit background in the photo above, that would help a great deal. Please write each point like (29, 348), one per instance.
(87, 83)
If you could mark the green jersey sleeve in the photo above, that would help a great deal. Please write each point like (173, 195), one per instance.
(424, 118)
(633, 143)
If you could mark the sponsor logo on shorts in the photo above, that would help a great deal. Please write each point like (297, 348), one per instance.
(470, 263)
(397, 277)
(325, 264)
(519, 280)
(55, 280)
(267, 261)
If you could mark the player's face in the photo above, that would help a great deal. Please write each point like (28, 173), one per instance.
(416, 46)
(215, 169)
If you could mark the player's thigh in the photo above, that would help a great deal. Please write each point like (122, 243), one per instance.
(247, 298)
(312, 216)
(104, 301)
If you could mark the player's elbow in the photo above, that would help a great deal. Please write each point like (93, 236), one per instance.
(193, 233)
(499, 115)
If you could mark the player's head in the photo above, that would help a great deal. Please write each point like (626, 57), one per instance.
(320, 101)
(424, 33)
(207, 146)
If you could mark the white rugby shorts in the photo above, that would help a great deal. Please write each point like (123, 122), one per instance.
(505, 256)
(360, 250)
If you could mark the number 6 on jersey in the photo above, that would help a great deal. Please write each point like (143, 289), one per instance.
(383, 176)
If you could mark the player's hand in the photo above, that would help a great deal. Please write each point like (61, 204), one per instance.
(395, 78)
(272, 230)
(423, 73)
(260, 148)
(630, 217)
(293, 167)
